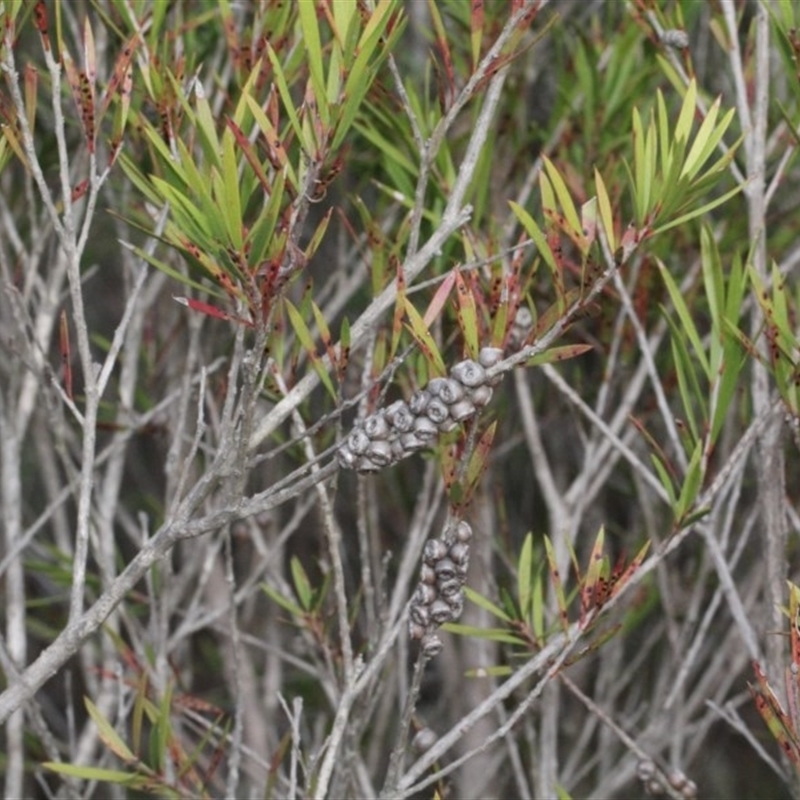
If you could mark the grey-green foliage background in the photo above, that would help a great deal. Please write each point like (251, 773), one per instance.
(152, 473)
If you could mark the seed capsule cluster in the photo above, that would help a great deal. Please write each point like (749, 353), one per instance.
(439, 596)
(654, 785)
(402, 428)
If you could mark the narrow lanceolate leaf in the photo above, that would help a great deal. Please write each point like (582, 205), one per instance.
(419, 330)
(558, 586)
(304, 337)
(689, 328)
(476, 18)
(524, 575)
(93, 773)
(66, 359)
(486, 605)
(590, 588)
(555, 354)
(606, 216)
(776, 719)
(302, 585)
(107, 734)
(311, 40)
(794, 627)
(467, 315)
(630, 570)
(564, 197)
(691, 483)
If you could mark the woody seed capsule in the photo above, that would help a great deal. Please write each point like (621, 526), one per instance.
(481, 395)
(376, 426)
(434, 551)
(437, 412)
(400, 417)
(447, 390)
(468, 373)
(445, 569)
(441, 612)
(358, 441)
(419, 402)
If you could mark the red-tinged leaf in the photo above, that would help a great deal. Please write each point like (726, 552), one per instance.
(250, 155)
(467, 315)
(122, 68)
(447, 92)
(476, 19)
(79, 190)
(40, 13)
(555, 354)
(66, 359)
(440, 298)
(304, 337)
(623, 577)
(87, 109)
(399, 309)
(419, 330)
(558, 586)
(211, 311)
(31, 87)
(776, 719)
(89, 55)
(589, 590)
(794, 625)
(324, 332)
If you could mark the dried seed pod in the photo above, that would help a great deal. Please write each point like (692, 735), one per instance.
(366, 464)
(424, 594)
(676, 38)
(421, 615)
(419, 402)
(376, 426)
(456, 605)
(448, 425)
(437, 412)
(427, 575)
(411, 443)
(358, 441)
(432, 645)
(523, 318)
(654, 787)
(481, 395)
(449, 588)
(489, 356)
(459, 553)
(416, 631)
(380, 453)
(463, 531)
(425, 429)
(424, 739)
(689, 790)
(347, 458)
(449, 391)
(400, 417)
(445, 569)
(468, 373)
(645, 769)
(441, 612)
(434, 551)
(462, 410)
(398, 450)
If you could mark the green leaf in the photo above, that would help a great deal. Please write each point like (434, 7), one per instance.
(307, 13)
(282, 601)
(489, 634)
(564, 197)
(691, 483)
(561, 353)
(92, 773)
(688, 326)
(304, 337)
(107, 734)
(467, 315)
(524, 575)
(486, 605)
(422, 336)
(606, 217)
(302, 585)
(558, 586)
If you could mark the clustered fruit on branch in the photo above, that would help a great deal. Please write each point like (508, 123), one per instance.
(391, 434)
(439, 596)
